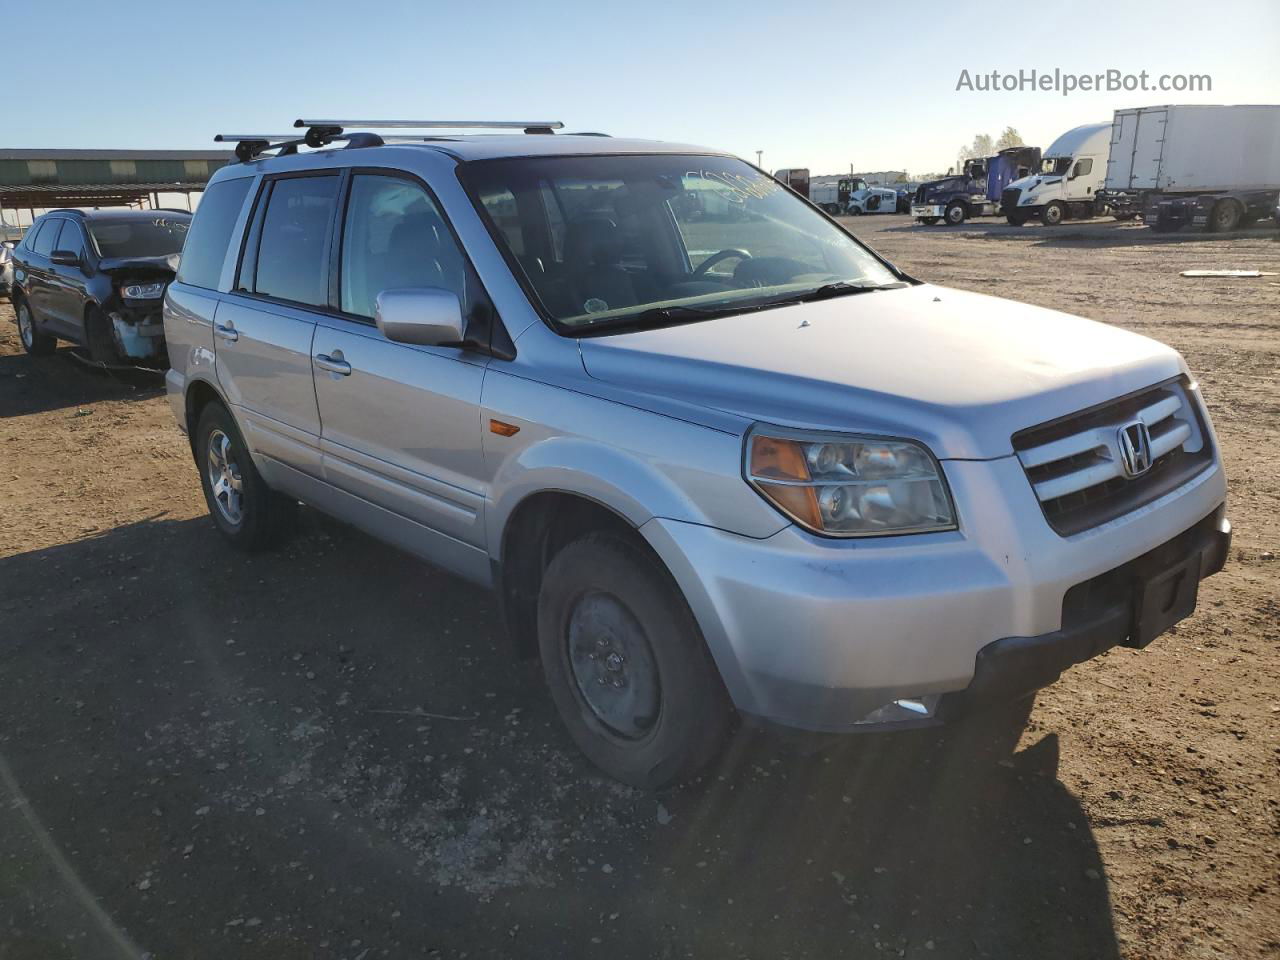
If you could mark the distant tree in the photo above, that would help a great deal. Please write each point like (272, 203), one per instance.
(982, 146)
(1010, 138)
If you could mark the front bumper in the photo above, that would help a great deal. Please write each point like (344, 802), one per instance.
(823, 634)
(927, 210)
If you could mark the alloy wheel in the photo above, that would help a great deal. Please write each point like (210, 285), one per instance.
(225, 479)
(25, 328)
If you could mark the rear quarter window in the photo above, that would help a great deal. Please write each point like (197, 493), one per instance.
(210, 233)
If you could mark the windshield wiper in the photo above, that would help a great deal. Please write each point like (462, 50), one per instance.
(842, 288)
(655, 316)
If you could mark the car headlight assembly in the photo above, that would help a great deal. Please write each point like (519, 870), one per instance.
(143, 291)
(842, 485)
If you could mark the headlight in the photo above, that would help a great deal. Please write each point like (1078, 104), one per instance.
(143, 291)
(850, 486)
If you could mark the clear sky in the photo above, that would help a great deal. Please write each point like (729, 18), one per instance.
(819, 84)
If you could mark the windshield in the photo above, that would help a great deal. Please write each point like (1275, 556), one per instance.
(157, 237)
(603, 239)
(1055, 166)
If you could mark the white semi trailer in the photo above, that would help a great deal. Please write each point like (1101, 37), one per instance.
(1210, 166)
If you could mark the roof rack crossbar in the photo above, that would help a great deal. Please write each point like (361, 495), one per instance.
(538, 125)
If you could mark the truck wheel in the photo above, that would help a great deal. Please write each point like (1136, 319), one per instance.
(246, 511)
(1225, 216)
(34, 342)
(1053, 213)
(927, 221)
(1017, 221)
(955, 213)
(626, 665)
(1125, 216)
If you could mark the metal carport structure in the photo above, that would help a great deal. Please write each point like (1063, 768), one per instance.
(40, 179)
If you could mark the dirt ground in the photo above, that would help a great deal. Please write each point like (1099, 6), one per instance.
(327, 752)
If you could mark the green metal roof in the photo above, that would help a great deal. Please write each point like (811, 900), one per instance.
(49, 178)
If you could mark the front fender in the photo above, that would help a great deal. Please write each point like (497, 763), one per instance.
(627, 482)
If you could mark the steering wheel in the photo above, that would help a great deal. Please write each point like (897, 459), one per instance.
(715, 258)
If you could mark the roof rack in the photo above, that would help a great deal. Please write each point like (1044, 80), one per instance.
(249, 146)
(528, 126)
(320, 133)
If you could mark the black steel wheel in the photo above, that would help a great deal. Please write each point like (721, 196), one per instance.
(627, 666)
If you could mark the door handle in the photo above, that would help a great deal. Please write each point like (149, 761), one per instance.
(227, 333)
(333, 365)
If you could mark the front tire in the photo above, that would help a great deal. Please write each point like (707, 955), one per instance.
(1015, 220)
(626, 664)
(928, 221)
(34, 342)
(955, 213)
(248, 513)
(1053, 213)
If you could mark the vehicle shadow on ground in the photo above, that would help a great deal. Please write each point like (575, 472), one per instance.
(40, 384)
(329, 749)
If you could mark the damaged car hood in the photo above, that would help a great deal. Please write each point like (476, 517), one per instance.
(167, 264)
(961, 371)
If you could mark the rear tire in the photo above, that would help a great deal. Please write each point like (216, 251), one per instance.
(248, 513)
(1225, 216)
(626, 664)
(34, 342)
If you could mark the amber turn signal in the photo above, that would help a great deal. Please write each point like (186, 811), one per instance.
(502, 428)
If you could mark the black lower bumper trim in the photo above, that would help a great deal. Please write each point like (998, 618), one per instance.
(1096, 615)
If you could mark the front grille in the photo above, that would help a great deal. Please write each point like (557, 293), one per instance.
(1076, 466)
(1009, 200)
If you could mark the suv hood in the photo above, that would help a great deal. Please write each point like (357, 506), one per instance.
(960, 371)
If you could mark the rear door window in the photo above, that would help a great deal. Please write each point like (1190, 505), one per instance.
(45, 239)
(210, 233)
(293, 248)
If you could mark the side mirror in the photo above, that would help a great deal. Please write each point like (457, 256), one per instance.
(426, 316)
(65, 258)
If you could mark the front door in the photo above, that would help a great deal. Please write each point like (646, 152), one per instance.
(263, 330)
(1081, 179)
(66, 284)
(401, 423)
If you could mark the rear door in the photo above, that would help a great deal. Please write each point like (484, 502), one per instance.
(37, 271)
(401, 423)
(263, 329)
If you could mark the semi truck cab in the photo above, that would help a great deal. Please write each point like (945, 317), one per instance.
(1072, 171)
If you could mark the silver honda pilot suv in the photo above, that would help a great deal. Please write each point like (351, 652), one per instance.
(717, 459)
